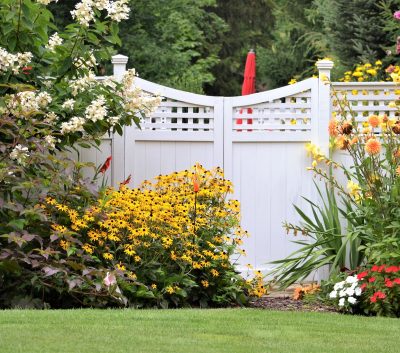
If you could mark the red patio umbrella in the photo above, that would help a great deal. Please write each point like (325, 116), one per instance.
(249, 81)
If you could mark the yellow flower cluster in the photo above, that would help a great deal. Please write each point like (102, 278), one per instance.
(182, 219)
(363, 72)
(257, 284)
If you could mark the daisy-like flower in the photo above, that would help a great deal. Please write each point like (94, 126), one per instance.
(373, 146)
(374, 120)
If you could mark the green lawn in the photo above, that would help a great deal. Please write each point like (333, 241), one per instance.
(203, 331)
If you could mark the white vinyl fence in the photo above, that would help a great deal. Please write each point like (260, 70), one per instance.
(261, 149)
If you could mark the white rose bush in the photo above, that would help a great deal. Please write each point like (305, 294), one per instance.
(51, 102)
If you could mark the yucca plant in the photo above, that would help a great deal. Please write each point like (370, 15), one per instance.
(328, 243)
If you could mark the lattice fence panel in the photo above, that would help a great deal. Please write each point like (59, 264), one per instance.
(291, 113)
(367, 100)
(174, 115)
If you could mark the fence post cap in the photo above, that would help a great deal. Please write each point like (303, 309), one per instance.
(119, 59)
(326, 64)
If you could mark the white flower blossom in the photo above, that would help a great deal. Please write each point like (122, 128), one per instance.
(342, 293)
(83, 12)
(352, 300)
(68, 104)
(87, 63)
(96, 110)
(83, 83)
(102, 4)
(50, 117)
(20, 154)
(113, 120)
(46, 2)
(351, 279)
(333, 294)
(342, 301)
(43, 99)
(13, 62)
(338, 285)
(350, 292)
(358, 291)
(118, 10)
(54, 41)
(74, 125)
(51, 141)
(23, 104)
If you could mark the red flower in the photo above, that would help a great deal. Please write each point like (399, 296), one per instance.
(388, 283)
(361, 275)
(372, 279)
(375, 268)
(26, 70)
(363, 286)
(126, 181)
(392, 269)
(106, 165)
(396, 280)
(377, 295)
(196, 185)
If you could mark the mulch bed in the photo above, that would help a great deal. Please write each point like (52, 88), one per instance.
(289, 304)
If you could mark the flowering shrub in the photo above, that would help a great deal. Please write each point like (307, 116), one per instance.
(346, 294)
(170, 242)
(50, 101)
(380, 285)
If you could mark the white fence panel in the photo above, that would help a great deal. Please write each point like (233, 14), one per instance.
(258, 139)
(264, 156)
(186, 128)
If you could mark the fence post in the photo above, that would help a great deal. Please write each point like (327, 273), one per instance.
(118, 142)
(119, 65)
(321, 135)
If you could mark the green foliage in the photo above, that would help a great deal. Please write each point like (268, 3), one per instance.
(159, 246)
(327, 243)
(249, 27)
(297, 43)
(173, 43)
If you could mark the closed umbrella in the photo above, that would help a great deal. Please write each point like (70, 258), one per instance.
(249, 81)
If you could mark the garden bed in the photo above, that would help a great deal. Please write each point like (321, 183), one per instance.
(289, 304)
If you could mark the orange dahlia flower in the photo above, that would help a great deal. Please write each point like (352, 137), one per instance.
(374, 120)
(373, 146)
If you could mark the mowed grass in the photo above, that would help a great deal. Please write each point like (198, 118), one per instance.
(187, 331)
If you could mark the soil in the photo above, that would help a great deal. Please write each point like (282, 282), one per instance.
(289, 304)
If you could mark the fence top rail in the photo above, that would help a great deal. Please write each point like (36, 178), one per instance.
(277, 93)
(176, 94)
(364, 84)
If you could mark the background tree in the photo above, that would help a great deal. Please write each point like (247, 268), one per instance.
(250, 24)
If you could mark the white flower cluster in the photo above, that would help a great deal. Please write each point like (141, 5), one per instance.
(75, 124)
(13, 62)
(46, 2)
(54, 41)
(28, 102)
(84, 13)
(96, 110)
(347, 289)
(83, 83)
(83, 63)
(68, 104)
(51, 141)
(134, 98)
(118, 10)
(20, 154)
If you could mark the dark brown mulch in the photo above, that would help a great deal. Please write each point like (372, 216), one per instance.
(289, 304)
